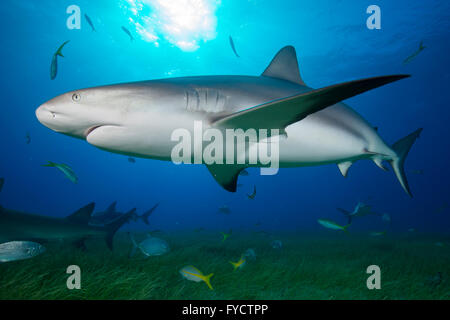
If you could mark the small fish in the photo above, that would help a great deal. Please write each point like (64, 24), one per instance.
(377, 233)
(128, 33)
(239, 185)
(132, 160)
(19, 250)
(90, 22)
(411, 230)
(439, 244)
(233, 47)
(240, 264)
(244, 173)
(332, 225)
(386, 218)
(224, 210)
(193, 274)
(64, 168)
(415, 54)
(250, 254)
(2, 182)
(441, 207)
(253, 195)
(151, 246)
(28, 138)
(276, 244)
(226, 235)
(54, 64)
(199, 229)
(417, 171)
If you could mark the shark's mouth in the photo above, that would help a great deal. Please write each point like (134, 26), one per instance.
(92, 129)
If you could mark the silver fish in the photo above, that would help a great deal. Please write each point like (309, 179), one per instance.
(19, 250)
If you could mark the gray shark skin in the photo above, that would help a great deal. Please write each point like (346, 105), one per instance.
(138, 119)
(20, 226)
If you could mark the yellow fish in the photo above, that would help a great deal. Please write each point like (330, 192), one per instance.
(239, 264)
(193, 274)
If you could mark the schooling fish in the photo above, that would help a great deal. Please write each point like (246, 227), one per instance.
(233, 47)
(240, 264)
(150, 247)
(128, 33)
(54, 65)
(253, 195)
(332, 225)
(415, 54)
(360, 210)
(64, 168)
(90, 22)
(19, 250)
(193, 274)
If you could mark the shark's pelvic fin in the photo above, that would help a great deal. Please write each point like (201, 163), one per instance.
(379, 162)
(344, 166)
(285, 66)
(82, 215)
(226, 175)
(402, 148)
(278, 114)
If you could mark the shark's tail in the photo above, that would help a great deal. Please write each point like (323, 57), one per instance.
(346, 213)
(112, 228)
(147, 214)
(401, 149)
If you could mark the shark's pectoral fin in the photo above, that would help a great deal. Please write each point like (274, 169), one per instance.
(226, 175)
(344, 166)
(278, 114)
(82, 215)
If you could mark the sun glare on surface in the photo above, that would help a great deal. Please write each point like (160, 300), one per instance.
(183, 23)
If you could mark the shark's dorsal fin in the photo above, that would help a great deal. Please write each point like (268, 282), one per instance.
(285, 66)
(226, 175)
(82, 215)
(112, 207)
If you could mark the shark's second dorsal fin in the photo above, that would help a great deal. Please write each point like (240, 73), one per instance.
(285, 66)
(82, 215)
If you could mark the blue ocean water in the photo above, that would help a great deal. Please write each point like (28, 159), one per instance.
(333, 45)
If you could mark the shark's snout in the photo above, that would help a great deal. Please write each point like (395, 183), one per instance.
(44, 115)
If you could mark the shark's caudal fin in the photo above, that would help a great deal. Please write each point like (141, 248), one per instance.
(147, 214)
(285, 66)
(347, 214)
(402, 148)
(83, 215)
(112, 228)
(59, 52)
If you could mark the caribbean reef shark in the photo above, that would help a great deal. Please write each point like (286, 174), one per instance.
(315, 128)
(20, 226)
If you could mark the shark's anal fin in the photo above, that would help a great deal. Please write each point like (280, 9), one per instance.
(82, 215)
(344, 166)
(226, 175)
(278, 114)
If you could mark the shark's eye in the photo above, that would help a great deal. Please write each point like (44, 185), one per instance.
(76, 97)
